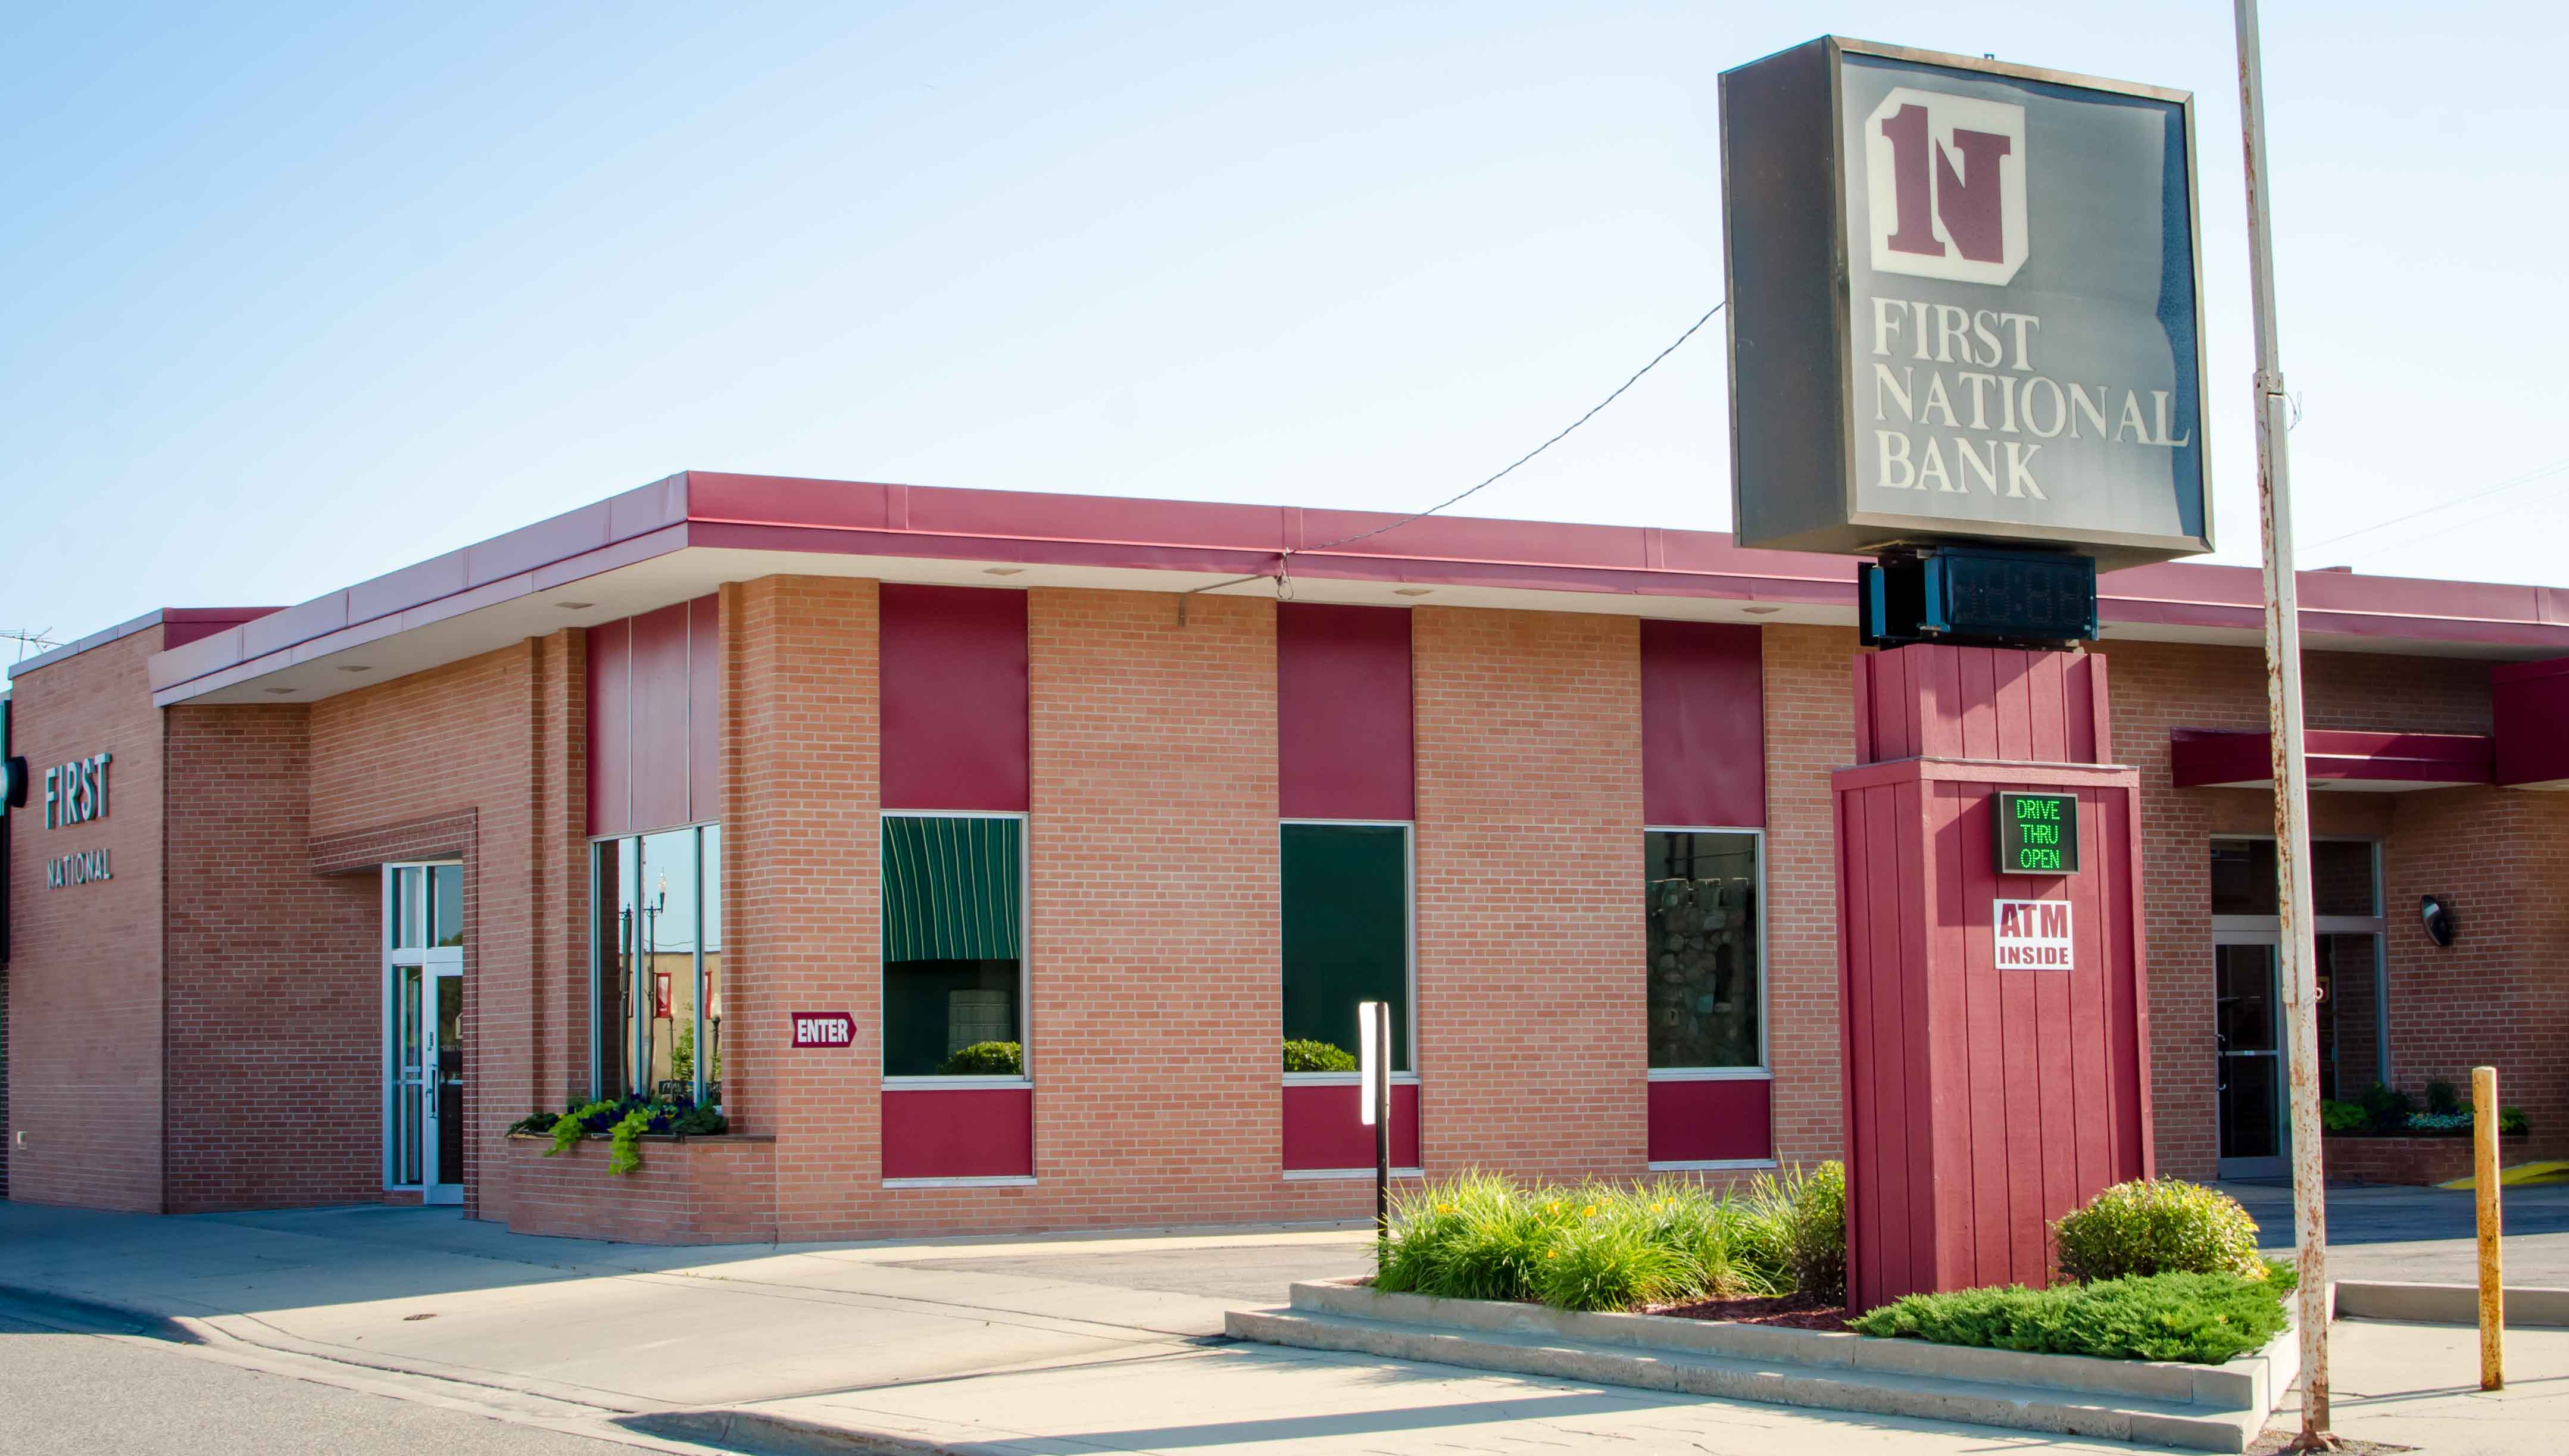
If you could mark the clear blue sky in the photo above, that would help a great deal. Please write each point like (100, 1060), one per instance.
(297, 294)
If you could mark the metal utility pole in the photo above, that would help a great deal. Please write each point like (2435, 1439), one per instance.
(2292, 779)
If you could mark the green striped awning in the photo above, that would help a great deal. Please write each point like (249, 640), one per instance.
(949, 889)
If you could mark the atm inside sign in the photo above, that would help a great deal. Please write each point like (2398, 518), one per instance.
(2030, 934)
(2038, 834)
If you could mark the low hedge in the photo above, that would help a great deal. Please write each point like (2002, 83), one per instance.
(2200, 1318)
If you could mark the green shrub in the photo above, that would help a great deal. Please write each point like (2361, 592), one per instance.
(701, 1122)
(2442, 1098)
(1317, 1056)
(535, 1122)
(1600, 1247)
(2387, 1107)
(2343, 1117)
(2156, 1226)
(2204, 1318)
(1474, 1237)
(1805, 1215)
(987, 1059)
(2513, 1120)
(1608, 1260)
(1731, 1255)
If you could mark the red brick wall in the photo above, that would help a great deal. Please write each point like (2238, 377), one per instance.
(800, 896)
(699, 1190)
(85, 1016)
(2159, 686)
(1810, 733)
(2500, 858)
(1532, 1033)
(275, 1038)
(499, 737)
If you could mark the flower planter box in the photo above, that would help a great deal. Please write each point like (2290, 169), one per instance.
(2414, 1161)
(719, 1189)
(2200, 1407)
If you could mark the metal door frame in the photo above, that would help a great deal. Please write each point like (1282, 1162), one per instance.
(435, 1184)
(2270, 939)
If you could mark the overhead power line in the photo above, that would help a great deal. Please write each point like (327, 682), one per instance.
(2545, 473)
(1284, 559)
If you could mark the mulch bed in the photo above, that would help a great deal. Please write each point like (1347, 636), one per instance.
(1794, 1311)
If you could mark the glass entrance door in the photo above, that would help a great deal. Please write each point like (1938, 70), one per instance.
(2249, 1057)
(423, 1030)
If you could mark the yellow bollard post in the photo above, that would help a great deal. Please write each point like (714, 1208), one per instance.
(2484, 1183)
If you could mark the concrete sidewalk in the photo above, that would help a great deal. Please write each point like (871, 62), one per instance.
(1046, 1346)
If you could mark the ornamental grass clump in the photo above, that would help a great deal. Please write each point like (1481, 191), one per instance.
(2157, 1225)
(1602, 1247)
(1611, 1257)
(2201, 1319)
(1804, 1214)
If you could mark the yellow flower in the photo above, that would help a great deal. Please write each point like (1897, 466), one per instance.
(1445, 1207)
(1588, 1211)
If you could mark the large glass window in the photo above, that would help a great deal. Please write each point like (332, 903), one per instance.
(657, 945)
(953, 945)
(1346, 891)
(1704, 949)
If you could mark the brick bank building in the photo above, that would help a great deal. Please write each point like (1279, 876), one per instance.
(987, 858)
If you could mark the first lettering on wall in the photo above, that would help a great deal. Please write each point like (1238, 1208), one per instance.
(76, 792)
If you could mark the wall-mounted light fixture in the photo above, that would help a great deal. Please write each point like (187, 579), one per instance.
(2438, 916)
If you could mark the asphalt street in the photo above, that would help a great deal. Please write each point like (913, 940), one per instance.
(81, 1394)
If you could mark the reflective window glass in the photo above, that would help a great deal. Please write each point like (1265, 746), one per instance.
(446, 905)
(1700, 904)
(1345, 891)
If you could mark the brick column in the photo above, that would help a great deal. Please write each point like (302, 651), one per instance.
(800, 896)
(1533, 1044)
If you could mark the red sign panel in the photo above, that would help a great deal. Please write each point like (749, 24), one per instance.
(824, 1028)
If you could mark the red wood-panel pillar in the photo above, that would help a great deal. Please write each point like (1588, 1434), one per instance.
(1983, 1101)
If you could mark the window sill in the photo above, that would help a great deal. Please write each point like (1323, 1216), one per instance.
(931, 1084)
(1341, 1174)
(1003, 1180)
(1716, 1165)
(1712, 1074)
(1343, 1079)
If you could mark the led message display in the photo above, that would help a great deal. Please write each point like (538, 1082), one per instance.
(2038, 834)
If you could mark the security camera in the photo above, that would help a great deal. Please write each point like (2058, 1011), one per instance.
(2438, 918)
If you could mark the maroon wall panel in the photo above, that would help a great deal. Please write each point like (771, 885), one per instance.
(654, 720)
(659, 702)
(704, 708)
(610, 676)
(958, 1132)
(1709, 1121)
(1321, 1130)
(1344, 732)
(1704, 724)
(953, 689)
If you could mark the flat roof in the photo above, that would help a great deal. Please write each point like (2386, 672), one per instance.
(685, 535)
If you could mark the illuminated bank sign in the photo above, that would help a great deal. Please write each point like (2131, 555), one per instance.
(1963, 306)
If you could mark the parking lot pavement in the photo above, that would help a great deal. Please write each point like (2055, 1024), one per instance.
(2421, 1235)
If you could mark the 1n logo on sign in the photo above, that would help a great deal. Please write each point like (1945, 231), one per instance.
(2030, 934)
(1946, 177)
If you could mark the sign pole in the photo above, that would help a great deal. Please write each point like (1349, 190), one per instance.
(2484, 1179)
(2292, 785)
(1373, 1069)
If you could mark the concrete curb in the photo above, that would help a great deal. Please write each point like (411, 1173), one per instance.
(2238, 1385)
(2448, 1305)
(777, 1435)
(2198, 1407)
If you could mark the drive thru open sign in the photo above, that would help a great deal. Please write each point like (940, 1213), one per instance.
(2030, 934)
